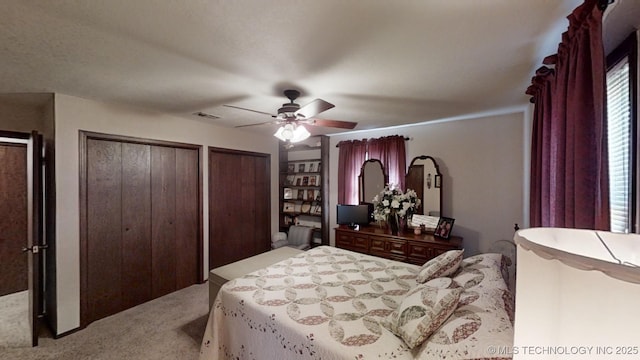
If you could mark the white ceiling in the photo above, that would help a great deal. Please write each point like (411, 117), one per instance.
(381, 63)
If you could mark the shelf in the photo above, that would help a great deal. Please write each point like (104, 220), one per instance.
(301, 214)
(314, 173)
(293, 170)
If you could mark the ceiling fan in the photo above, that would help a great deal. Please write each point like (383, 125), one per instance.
(291, 118)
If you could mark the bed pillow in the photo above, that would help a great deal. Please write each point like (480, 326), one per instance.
(421, 313)
(444, 264)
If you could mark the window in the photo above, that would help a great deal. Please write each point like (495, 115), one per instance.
(622, 138)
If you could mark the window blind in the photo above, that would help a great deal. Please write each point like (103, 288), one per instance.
(619, 136)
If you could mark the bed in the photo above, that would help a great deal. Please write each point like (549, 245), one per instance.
(330, 303)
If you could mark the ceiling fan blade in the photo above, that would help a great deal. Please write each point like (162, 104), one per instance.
(332, 123)
(255, 111)
(262, 123)
(314, 108)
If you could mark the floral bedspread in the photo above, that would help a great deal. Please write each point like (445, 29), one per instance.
(327, 304)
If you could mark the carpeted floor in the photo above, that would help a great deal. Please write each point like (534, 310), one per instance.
(170, 327)
(14, 320)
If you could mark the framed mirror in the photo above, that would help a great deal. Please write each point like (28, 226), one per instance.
(425, 178)
(371, 180)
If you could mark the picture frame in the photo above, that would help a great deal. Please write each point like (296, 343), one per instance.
(312, 180)
(287, 193)
(310, 195)
(437, 182)
(301, 167)
(300, 194)
(312, 167)
(305, 180)
(305, 208)
(290, 179)
(291, 168)
(298, 181)
(316, 210)
(444, 228)
(288, 207)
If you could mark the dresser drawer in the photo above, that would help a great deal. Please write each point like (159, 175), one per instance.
(404, 247)
(361, 243)
(397, 247)
(352, 241)
(418, 250)
(343, 239)
(377, 246)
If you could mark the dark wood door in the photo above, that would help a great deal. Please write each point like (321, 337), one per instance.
(239, 205)
(34, 247)
(163, 215)
(104, 224)
(141, 236)
(136, 223)
(13, 218)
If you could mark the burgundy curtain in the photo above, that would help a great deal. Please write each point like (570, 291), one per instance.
(390, 150)
(569, 170)
(351, 156)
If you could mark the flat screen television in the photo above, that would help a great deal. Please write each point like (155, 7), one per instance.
(353, 215)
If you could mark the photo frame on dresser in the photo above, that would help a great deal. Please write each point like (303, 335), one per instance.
(445, 225)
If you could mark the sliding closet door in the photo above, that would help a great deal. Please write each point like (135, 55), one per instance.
(239, 205)
(140, 222)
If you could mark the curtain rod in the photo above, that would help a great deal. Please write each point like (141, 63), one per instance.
(405, 139)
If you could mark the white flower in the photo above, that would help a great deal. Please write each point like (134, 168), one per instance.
(395, 204)
(385, 203)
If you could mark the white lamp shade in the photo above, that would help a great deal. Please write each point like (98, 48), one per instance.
(291, 132)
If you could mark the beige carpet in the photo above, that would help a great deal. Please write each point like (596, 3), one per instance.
(170, 327)
(14, 320)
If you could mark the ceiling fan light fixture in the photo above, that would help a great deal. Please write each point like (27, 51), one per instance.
(300, 133)
(292, 133)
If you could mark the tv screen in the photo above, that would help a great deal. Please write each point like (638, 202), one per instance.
(353, 215)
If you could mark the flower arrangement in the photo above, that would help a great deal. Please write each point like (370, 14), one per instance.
(392, 201)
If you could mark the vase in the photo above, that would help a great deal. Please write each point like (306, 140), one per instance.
(393, 223)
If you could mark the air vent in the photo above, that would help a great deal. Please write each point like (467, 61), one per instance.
(205, 115)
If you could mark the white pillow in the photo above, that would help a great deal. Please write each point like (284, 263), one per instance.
(421, 313)
(444, 264)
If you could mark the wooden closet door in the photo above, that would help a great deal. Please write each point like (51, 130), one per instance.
(163, 214)
(255, 191)
(187, 216)
(136, 224)
(239, 206)
(141, 228)
(104, 228)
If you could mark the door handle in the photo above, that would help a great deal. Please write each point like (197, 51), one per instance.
(35, 248)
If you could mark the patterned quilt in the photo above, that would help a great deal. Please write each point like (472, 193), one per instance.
(327, 303)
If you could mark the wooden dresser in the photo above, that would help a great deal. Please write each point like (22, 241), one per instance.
(406, 247)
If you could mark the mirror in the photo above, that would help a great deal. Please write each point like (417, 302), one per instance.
(371, 180)
(425, 178)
